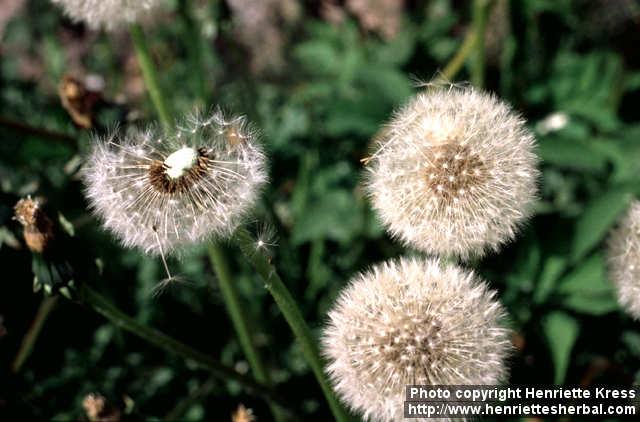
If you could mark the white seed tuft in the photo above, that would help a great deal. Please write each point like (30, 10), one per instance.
(108, 14)
(161, 192)
(413, 321)
(624, 260)
(455, 173)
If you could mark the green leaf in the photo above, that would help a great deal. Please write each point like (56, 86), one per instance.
(596, 220)
(551, 270)
(571, 154)
(332, 216)
(587, 289)
(561, 331)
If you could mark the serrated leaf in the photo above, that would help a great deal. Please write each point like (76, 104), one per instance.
(561, 331)
(597, 219)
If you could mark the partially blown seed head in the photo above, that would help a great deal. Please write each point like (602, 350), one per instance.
(624, 260)
(160, 192)
(109, 14)
(454, 173)
(412, 321)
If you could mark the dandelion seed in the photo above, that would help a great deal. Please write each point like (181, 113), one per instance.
(108, 14)
(163, 285)
(624, 260)
(266, 239)
(455, 173)
(412, 321)
(161, 192)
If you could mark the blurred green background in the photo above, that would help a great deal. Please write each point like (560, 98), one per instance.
(318, 78)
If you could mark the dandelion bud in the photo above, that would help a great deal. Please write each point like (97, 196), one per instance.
(37, 226)
(412, 321)
(455, 173)
(624, 260)
(159, 192)
(109, 14)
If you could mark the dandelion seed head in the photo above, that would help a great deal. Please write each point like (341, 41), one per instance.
(624, 260)
(454, 173)
(160, 192)
(108, 14)
(412, 321)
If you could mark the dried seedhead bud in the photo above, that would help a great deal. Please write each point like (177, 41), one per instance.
(161, 192)
(78, 100)
(624, 260)
(243, 414)
(455, 172)
(98, 410)
(108, 14)
(37, 227)
(413, 321)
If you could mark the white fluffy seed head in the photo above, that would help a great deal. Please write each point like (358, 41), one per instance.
(108, 14)
(624, 260)
(455, 172)
(412, 321)
(161, 192)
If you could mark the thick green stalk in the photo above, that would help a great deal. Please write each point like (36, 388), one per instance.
(479, 14)
(105, 308)
(150, 75)
(47, 305)
(292, 314)
(239, 319)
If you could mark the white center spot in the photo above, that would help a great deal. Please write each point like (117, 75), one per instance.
(180, 162)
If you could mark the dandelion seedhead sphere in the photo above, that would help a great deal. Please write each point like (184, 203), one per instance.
(455, 172)
(624, 260)
(159, 192)
(109, 14)
(412, 321)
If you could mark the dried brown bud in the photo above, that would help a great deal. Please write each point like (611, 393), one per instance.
(98, 410)
(78, 100)
(38, 228)
(243, 414)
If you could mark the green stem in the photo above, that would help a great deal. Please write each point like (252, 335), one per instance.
(292, 314)
(105, 308)
(457, 61)
(193, 45)
(150, 75)
(239, 319)
(479, 14)
(177, 413)
(27, 130)
(30, 338)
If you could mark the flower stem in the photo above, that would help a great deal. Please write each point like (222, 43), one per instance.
(239, 319)
(105, 308)
(457, 61)
(479, 14)
(292, 314)
(30, 338)
(150, 75)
